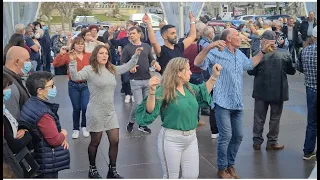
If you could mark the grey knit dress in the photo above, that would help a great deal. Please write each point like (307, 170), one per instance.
(101, 115)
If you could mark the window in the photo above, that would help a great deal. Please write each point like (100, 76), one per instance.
(247, 18)
(79, 19)
(91, 20)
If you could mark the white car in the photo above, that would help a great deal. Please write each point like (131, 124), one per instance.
(155, 19)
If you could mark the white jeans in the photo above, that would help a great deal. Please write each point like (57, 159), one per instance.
(175, 150)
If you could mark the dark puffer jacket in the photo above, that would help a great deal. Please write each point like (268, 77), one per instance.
(50, 159)
(270, 81)
(304, 28)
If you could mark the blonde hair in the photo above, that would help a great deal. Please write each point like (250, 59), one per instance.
(170, 79)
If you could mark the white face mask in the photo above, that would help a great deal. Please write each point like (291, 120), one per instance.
(37, 36)
(37, 27)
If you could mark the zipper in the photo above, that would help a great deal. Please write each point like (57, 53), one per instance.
(53, 157)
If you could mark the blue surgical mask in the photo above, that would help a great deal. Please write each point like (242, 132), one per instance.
(52, 93)
(6, 94)
(63, 35)
(26, 67)
(4, 108)
(45, 28)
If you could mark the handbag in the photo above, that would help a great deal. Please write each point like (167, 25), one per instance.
(28, 164)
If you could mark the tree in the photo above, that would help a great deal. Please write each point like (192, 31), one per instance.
(66, 10)
(82, 12)
(46, 9)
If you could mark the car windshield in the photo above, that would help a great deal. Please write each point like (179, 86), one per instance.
(78, 19)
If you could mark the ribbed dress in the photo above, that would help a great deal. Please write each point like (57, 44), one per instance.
(101, 115)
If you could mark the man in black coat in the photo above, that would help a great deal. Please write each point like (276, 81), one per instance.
(291, 32)
(306, 28)
(270, 88)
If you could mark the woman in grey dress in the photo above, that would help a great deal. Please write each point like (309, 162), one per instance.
(101, 115)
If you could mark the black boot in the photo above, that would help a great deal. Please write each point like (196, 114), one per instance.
(93, 173)
(112, 173)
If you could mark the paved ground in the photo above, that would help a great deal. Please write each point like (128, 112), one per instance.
(138, 157)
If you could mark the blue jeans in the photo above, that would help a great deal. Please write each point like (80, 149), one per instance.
(311, 132)
(230, 128)
(79, 96)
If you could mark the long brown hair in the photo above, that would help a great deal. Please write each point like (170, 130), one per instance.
(170, 79)
(77, 40)
(94, 61)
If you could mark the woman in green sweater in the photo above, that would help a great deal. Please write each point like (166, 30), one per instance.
(177, 104)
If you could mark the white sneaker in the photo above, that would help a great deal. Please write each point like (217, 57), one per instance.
(85, 133)
(214, 136)
(127, 99)
(75, 134)
(132, 98)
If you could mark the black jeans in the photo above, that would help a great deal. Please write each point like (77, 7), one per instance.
(126, 83)
(213, 122)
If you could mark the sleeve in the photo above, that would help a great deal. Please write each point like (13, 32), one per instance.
(126, 67)
(150, 56)
(299, 65)
(209, 61)
(144, 118)
(181, 46)
(84, 74)
(125, 55)
(61, 60)
(49, 131)
(202, 95)
(254, 71)
(29, 42)
(260, 32)
(247, 64)
(115, 42)
(290, 68)
(16, 145)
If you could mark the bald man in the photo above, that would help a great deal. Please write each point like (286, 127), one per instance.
(17, 64)
(227, 93)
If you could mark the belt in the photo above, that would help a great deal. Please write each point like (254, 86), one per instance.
(184, 133)
(79, 82)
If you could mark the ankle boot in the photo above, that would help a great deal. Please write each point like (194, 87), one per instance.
(112, 173)
(93, 173)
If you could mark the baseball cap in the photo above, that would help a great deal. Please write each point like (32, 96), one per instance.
(314, 31)
(268, 35)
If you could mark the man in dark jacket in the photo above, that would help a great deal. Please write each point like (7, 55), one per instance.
(291, 32)
(17, 64)
(45, 43)
(306, 28)
(270, 88)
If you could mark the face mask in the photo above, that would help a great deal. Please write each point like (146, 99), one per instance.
(245, 29)
(63, 35)
(26, 67)
(37, 36)
(273, 28)
(31, 35)
(38, 28)
(6, 94)
(52, 93)
(45, 28)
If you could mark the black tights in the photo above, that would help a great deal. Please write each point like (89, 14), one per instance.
(113, 136)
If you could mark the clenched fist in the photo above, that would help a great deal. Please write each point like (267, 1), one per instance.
(216, 70)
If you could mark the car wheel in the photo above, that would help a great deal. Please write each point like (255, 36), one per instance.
(78, 28)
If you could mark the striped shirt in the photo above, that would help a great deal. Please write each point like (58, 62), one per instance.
(227, 92)
(309, 65)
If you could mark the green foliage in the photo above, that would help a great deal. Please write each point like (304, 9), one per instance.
(82, 12)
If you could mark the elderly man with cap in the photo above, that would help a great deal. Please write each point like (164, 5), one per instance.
(17, 64)
(227, 93)
(270, 89)
(308, 65)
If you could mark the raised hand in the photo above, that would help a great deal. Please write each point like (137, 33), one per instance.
(134, 69)
(146, 18)
(268, 46)
(72, 55)
(216, 70)
(153, 83)
(191, 17)
(138, 50)
(218, 44)
(157, 66)
(63, 50)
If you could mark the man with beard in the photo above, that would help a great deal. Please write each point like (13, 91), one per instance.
(171, 48)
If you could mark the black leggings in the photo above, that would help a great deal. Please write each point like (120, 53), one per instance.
(113, 136)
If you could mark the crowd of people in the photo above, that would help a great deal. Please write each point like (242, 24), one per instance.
(200, 74)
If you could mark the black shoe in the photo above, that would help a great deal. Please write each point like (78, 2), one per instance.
(205, 112)
(144, 129)
(309, 156)
(113, 174)
(93, 173)
(130, 127)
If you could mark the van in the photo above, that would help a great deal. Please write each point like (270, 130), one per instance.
(155, 19)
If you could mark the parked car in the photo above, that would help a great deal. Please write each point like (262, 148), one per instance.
(253, 17)
(235, 23)
(276, 17)
(218, 26)
(155, 19)
(86, 21)
(156, 10)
